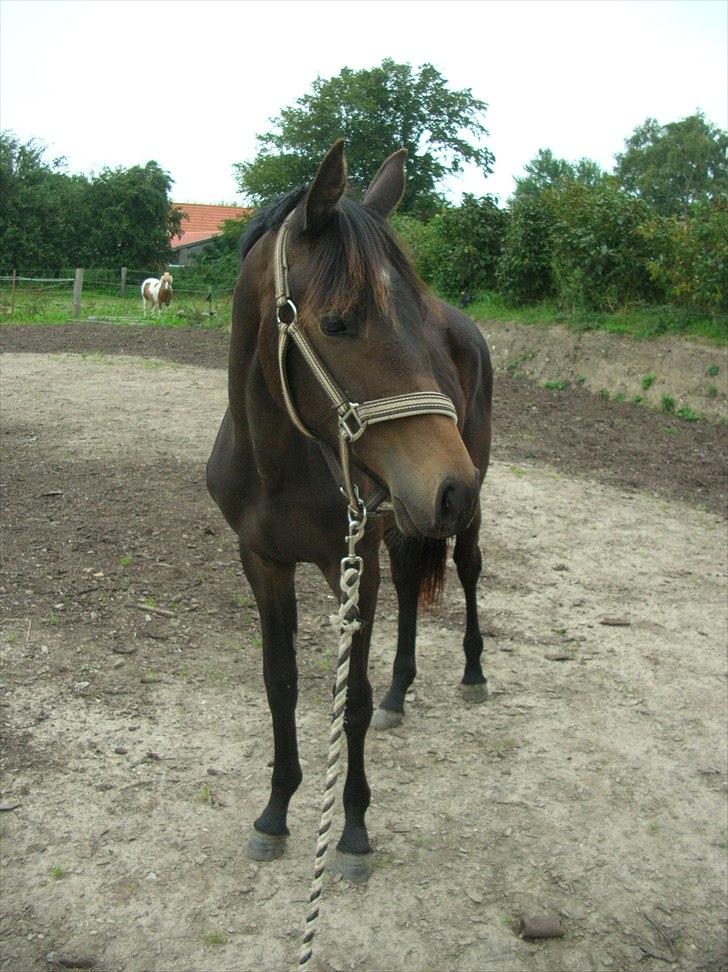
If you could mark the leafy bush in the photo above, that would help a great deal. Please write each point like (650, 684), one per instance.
(419, 240)
(598, 256)
(467, 244)
(524, 268)
(689, 255)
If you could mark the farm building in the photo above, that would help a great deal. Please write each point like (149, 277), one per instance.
(200, 225)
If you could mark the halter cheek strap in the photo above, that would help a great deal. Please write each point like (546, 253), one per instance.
(353, 418)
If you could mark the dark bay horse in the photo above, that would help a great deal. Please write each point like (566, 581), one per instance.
(379, 333)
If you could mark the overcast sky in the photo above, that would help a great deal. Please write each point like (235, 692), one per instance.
(190, 84)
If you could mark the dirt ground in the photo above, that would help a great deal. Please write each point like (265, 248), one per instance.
(136, 742)
(693, 373)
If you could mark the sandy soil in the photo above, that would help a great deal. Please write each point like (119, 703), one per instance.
(136, 743)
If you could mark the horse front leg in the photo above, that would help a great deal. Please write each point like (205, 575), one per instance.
(469, 563)
(353, 848)
(273, 587)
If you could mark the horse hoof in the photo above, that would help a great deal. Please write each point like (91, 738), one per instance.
(386, 718)
(354, 867)
(266, 847)
(478, 692)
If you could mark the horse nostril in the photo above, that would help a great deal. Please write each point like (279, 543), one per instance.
(454, 505)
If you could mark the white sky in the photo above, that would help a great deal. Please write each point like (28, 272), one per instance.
(190, 83)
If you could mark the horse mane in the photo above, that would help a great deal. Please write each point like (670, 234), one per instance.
(352, 259)
(270, 217)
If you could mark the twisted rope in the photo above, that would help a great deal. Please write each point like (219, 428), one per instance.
(348, 618)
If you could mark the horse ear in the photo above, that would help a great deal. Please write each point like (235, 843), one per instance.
(327, 188)
(387, 187)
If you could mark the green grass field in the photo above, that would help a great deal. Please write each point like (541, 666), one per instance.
(51, 304)
(641, 323)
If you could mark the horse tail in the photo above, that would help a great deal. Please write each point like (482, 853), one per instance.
(425, 558)
(432, 571)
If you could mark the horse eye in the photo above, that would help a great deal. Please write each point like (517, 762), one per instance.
(333, 325)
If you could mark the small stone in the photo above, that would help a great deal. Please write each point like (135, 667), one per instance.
(121, 750)
(80, 686)
(124, 649)
(558, 656)
(559, 567)
(151, 876)
(615, 622)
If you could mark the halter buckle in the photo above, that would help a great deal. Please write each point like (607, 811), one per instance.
(355, 430)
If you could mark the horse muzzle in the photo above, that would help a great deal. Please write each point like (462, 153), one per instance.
(448, 512)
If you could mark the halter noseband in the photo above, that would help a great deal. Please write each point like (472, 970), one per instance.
(353, 417)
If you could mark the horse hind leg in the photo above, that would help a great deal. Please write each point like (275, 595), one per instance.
(469, 562)
(406, 559)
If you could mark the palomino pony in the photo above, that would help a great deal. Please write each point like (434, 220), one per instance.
(340, 276)
(157, 294)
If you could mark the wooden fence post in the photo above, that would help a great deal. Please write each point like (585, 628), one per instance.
(12, 294)
(123, 281)
(77, 288)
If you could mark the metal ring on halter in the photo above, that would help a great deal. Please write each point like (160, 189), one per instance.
(286, 305)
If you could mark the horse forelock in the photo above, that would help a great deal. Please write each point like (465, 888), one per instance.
(350, 262)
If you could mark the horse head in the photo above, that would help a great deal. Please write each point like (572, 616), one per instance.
(370, 320)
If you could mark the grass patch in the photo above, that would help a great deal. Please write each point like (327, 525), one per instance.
(580, 380)
(604, 393)
(648, 381)
(58, 872)
(558, 385)
(214, 939)
(687, 414)
(713, 370)
(639, 322)
(667, 404)
(637, 400)
(52, 305)
(712, 391)
(126, 559)
(204, 795)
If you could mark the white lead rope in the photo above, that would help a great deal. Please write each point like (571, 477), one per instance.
(351, 571)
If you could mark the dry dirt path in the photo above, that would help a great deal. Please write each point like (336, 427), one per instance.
(136, 743)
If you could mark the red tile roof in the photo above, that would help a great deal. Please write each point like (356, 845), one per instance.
(201, 222)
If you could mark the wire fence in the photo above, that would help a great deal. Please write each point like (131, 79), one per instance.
(65, 293)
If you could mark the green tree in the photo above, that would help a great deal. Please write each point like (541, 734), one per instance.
(545, 171)
(130, 218)
(51, 219)
(675, 165)
(525, 268)
(37, 205)
(376, 111)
